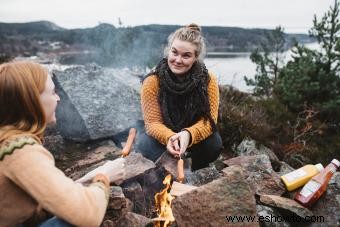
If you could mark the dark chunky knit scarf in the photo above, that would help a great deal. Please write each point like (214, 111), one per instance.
(183, 99)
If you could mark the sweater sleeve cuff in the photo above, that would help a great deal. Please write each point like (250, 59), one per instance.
(168, 137)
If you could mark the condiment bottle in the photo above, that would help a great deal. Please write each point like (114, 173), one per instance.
(312, 191)
(300, 177)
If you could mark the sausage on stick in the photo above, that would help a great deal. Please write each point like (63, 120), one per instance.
(180, 170)
(127, 148)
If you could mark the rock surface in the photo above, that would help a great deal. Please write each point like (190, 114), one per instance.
(196, 178)
(267, 217)
(249, 147)
(94, 103)
(260, 173)
(286, 204)
(133, 220)
(137, 165)
(93, 158)
(209, 204)
(202, 176)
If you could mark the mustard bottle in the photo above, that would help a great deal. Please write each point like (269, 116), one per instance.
(299, 177)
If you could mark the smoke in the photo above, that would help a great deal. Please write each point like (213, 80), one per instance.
(109, 46)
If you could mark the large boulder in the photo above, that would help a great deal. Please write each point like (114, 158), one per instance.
(260, 173)
(267, 217)
(94, 103)
(218, 203)
(250, 147)
(286, 204)
(134, 220)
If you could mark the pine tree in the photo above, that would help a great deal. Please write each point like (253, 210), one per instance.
(312, 77)
(269, 59)
(327, 32)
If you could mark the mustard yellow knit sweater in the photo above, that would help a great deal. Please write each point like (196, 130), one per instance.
(153, 118)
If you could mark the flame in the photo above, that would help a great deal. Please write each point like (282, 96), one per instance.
(163, 204)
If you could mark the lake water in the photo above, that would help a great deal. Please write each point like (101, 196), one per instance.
(231, 70)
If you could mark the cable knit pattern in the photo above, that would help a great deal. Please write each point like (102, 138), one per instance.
(151, 111)
(153, 117)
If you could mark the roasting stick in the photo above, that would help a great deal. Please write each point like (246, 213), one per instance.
(127, 148)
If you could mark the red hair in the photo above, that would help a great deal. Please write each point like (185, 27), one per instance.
(21, 84)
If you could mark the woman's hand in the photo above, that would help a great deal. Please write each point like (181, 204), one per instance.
(178, 143)
(173, 145)
(114, 170)
(184, 139)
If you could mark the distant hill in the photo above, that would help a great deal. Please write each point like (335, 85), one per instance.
(30, 28)
(106, 44)
(233, 39)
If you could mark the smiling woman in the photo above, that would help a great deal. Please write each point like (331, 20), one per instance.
(180, 100)
(181, 57)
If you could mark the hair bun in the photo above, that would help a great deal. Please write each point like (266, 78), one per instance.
(194, 27)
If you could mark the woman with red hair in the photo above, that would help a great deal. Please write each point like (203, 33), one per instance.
(30, 184)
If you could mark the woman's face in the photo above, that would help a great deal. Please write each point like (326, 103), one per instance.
(49, 100)
(181, 56)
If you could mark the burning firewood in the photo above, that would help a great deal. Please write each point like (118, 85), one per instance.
(163, 201)
(127, 148)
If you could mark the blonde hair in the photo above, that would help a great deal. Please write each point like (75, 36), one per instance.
(190, 33)
(21, 112)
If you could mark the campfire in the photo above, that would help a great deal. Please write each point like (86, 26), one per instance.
(163, 201)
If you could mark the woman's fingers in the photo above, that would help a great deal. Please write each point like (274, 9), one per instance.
(176, 145)
(174, 137)
(171, 149)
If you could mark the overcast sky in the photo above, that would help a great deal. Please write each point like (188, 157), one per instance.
(293, 15)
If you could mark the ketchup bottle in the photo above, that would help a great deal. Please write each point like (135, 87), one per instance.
(312, 191)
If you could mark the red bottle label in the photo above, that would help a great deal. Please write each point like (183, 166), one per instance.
(310, 188)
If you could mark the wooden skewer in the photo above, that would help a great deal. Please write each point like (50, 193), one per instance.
(127, 148)
(180, 170)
